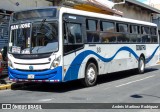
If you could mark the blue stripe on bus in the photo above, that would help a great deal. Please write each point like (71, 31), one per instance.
(149, 58)
(72, 72)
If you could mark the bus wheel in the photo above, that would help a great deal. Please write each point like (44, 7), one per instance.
(141, 65)
(90, 75)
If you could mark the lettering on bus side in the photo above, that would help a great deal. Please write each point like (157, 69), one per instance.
(140, 47)
(98, 50)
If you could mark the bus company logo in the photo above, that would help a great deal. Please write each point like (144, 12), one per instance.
(140, 47)
(31, 68)
(6, 106)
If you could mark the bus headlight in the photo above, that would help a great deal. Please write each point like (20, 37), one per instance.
(56, 62)
(10, 63)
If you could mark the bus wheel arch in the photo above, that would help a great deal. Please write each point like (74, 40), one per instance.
(91, 73)
(141, 64)
(93, 60)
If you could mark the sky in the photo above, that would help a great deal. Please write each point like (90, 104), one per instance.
(150, 1)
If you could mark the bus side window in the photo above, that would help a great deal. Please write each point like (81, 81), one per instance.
(154, 37)
(65, 34)
(92, 31)
(122, 33)
(74, 33)
(145, 34)
(72, 37)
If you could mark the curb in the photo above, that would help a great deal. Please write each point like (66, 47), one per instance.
(4, 87)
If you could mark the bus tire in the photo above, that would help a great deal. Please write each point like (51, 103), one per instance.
(141, 65)
(90, 78)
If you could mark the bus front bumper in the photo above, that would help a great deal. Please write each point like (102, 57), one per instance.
(50, 76)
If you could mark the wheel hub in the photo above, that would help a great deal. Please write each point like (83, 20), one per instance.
(91, 74)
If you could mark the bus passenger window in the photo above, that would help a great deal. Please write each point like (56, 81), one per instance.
(92, 33)
(93, 37)
(73, 38)
(145, 35)
(92, 25)
(134, 29)
(122, 28)
(108, 37)
(145, 30)
(154, 37)
(107, 26)
(74, 33)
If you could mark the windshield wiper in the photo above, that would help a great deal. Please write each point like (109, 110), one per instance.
(42, 23)
(38, 29)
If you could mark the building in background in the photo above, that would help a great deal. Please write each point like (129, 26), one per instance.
(4, 23)
(15, 5)
(156, 18)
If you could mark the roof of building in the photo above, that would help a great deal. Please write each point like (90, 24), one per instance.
(135, 2)
(152, 9)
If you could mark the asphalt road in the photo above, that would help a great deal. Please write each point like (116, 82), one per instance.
(121, 87)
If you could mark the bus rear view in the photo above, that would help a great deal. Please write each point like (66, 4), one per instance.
(34, 52)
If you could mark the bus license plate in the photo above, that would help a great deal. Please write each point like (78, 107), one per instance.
(30, 76)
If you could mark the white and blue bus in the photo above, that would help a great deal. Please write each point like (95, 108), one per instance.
(58, 44)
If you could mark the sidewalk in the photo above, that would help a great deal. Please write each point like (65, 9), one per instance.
(5, 83)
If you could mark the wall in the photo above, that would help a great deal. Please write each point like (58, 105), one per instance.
(134, 12)
(15, 5)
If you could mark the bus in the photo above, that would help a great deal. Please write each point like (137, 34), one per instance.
(59, 44)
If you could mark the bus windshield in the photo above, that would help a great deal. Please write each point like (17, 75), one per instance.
(36, 38)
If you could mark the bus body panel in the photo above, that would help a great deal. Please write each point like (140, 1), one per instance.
(121, 57)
